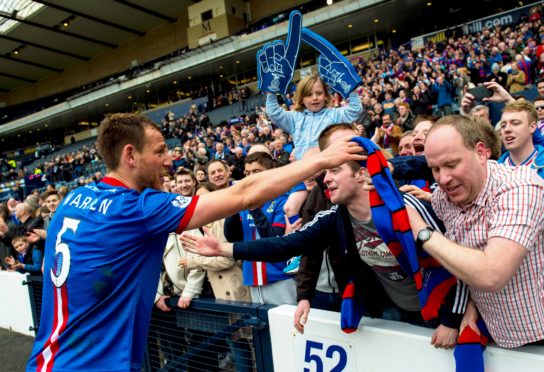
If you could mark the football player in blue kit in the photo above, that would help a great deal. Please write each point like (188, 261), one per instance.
(105, 244)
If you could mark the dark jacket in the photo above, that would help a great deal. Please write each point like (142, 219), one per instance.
(331, 228)
(408, 123)
(306, 279)
(443, 92)
(420, 104)
(411, 168)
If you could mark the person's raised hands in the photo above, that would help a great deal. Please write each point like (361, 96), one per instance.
(499, 95)
(276, 60)
(337, 72)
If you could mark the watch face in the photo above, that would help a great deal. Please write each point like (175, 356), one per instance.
(424, 235)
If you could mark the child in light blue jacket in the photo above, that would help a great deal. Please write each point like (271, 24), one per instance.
(311, 114)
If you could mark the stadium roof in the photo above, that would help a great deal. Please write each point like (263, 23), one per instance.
(98, 26)
(39, 38)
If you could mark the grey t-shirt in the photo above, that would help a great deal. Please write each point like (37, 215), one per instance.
(399, 286)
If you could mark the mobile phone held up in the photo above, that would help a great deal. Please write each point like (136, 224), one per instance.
(480, 92)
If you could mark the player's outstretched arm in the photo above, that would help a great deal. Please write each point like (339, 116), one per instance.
(253, 191)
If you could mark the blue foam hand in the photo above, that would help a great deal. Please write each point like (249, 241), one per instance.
(276, 60)
(335, 70)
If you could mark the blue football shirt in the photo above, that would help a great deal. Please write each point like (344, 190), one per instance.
(101, 270)
(258, 272)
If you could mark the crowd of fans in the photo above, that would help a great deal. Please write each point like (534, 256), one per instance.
(402, 94)
(431, 81)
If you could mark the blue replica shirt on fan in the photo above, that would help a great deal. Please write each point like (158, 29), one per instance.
(102, 262)
(262, 273)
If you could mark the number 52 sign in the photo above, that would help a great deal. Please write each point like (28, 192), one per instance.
(320, 354)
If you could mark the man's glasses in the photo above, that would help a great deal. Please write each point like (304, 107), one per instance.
(539, 108)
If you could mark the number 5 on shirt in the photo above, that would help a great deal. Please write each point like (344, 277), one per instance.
(61, 265)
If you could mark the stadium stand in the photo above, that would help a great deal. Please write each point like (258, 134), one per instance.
(406, 79)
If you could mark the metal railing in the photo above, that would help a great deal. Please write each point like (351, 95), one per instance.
(210, 335)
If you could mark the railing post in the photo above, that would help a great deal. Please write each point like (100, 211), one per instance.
(31, 281)
(263, 344)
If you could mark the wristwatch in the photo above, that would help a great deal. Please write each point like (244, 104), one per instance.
(423, 235)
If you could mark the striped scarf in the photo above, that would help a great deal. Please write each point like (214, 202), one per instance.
(390, 217)
(433, 282)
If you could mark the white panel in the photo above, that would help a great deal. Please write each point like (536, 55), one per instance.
(15, 311)
(378, 345)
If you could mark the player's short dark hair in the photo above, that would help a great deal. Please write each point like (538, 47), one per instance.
(118, 130)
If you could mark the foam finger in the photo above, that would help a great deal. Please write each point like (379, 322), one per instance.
(293, 35)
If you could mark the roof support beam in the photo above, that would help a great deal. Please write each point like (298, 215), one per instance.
(49, 49)
(35, 64)
(47, 28)
(90, 17)
(146, 10)
(17, 77)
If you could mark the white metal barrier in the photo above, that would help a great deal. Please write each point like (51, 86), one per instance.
(378, 345)
(15, 311)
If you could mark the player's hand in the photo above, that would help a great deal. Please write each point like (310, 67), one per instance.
(184, 302)
(10, 260)
(417, 192)
(301, 315)
(340, 152)
(161, 304)
(444, 337)
(205, 246)
(276, 60)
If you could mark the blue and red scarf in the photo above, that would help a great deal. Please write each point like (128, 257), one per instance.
(390, 217)
(469, 351)
(433, 282)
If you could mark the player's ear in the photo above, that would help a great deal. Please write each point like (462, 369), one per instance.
(128, 155)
